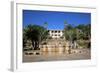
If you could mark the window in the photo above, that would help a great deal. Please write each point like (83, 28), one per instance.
(58, 34)
(58, 31)
(55, 31)
(55, 34)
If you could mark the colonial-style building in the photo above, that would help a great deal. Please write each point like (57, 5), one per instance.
(56, 33)
(56, 44)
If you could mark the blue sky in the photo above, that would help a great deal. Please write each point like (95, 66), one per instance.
(54, 19)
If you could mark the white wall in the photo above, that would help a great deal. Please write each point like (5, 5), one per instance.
(5, 36)
(52, 34)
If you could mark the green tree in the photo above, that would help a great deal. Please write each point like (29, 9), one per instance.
(36, 34)
(81, 32)
(24, 37)
(84, 34)
(70, 34)
(85, 31)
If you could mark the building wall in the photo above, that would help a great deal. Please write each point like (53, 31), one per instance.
(56, 33)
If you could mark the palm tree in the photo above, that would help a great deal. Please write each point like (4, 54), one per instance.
(65, 23)
(34, 33)
(44, 34)
(70, 33)
(45, 25)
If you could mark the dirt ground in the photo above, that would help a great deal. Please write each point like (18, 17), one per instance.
(77, 54)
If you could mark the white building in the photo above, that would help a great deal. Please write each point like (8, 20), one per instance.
(56, 33)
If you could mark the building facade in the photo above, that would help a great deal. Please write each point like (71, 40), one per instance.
(55, 33)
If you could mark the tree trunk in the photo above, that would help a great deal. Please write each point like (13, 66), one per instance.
(35, 45)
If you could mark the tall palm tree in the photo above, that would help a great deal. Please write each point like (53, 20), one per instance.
(45, 25)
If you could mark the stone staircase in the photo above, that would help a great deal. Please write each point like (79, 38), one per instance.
(55, 45)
